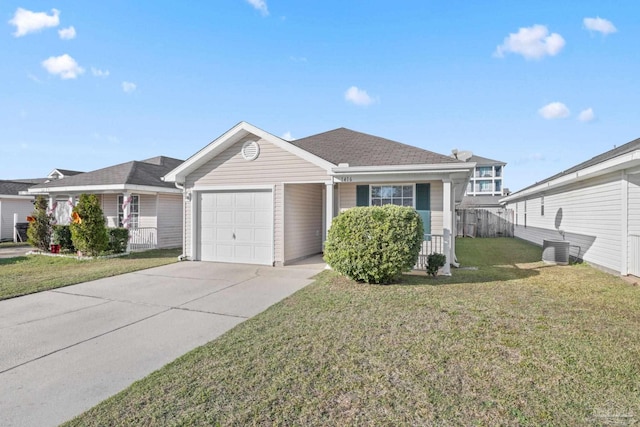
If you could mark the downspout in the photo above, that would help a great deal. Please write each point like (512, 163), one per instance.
(184, 222)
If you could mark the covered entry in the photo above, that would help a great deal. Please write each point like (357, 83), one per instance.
(236, 226)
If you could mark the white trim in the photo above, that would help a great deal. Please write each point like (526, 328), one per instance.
(204, 188)
(624, 223)
(104, 188)
(233, 135)
(617, 163)
(443, 167)
(13, 196)
(306, 182)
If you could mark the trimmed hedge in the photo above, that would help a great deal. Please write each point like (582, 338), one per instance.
(118, 239)
(39, 231)
(374, 244)
(88, 230)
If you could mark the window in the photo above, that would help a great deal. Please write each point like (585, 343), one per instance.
(498, 171)
(542, 206)
(484, 171)
(134, 211)
(484, 186)
(498, 185)
(401, 195)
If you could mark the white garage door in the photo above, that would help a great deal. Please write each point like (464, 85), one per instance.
(236, 227)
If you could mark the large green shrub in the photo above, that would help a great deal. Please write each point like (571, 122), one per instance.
(88, 231)
(62, 236)
(374, 244)
(118, 239)
(39, 231)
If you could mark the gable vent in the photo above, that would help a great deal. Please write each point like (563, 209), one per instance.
(250, 150)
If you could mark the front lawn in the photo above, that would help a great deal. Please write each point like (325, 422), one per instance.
(515, 342)
(34, 273)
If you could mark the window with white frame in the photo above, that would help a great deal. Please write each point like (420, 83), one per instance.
(401, 195)
(484, 186)
(134, 211)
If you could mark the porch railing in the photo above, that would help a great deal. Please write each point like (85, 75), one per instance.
(434, 243)
(143, 238)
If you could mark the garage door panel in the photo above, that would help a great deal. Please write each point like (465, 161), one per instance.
(236, 227)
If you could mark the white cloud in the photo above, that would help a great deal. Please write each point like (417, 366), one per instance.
(34, 78)
(287, 136)
(259, 5)
(586, 115)
(99, 73)
(358, 96)
(27, 21)
(600, 25)
(532, 43)
(555, 110)
(128, 87)
(67, 33)
(64, 66)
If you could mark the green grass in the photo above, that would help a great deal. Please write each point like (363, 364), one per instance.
(13, 245)
(35, 273)
(516, 342)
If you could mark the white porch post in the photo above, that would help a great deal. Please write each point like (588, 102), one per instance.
(126, 213)
(71, 203)
(328, 212)
(447, 220)
(15, 231)
(624, 224)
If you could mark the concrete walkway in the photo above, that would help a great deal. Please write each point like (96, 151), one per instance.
(14, 251)
(64, 351)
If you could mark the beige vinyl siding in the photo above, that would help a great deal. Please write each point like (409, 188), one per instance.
(7, 208)
(588, 213)
(633, 221)
(274, 166)
(169, 220)
(347, 199)
(302, 220)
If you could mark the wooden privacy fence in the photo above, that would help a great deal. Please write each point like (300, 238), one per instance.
(484, 223)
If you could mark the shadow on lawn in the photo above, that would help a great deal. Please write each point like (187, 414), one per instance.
(14, 260)
(485, 274)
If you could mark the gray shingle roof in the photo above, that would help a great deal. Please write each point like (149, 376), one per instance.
(360, 149)
(482, 161)
(67, 172)
(147, 172)
(607, 155)
(13, 188)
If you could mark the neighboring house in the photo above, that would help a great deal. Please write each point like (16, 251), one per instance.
(252, 197)
(132, 195)
(13, 205)
(485, 189)
(595, 206)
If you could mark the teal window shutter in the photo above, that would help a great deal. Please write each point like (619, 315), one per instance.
(362, 195)
(423, 205)
(423, 197)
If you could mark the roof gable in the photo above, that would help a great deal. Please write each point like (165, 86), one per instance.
(483, 161)
(360, 149)
(232, 136)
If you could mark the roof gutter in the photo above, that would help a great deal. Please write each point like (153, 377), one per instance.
(612, 165)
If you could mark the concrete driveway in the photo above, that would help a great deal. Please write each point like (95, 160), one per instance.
(63, 351)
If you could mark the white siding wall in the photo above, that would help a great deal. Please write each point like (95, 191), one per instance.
(7, 208)
(302, 220)
(587, 212)
(169, 220)
(110, 209)
(274, 166)
(147, 211)
(347, 193)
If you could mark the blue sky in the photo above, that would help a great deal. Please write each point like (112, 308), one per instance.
(540, 86)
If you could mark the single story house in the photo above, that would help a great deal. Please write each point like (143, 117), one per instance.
(595, 206)
(252, 197)
(132, 195)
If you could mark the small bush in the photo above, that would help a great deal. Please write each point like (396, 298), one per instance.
(435, 261)
(62, 236)
(39, 231)
(118, 239)
(88, 231)
(374, 244)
